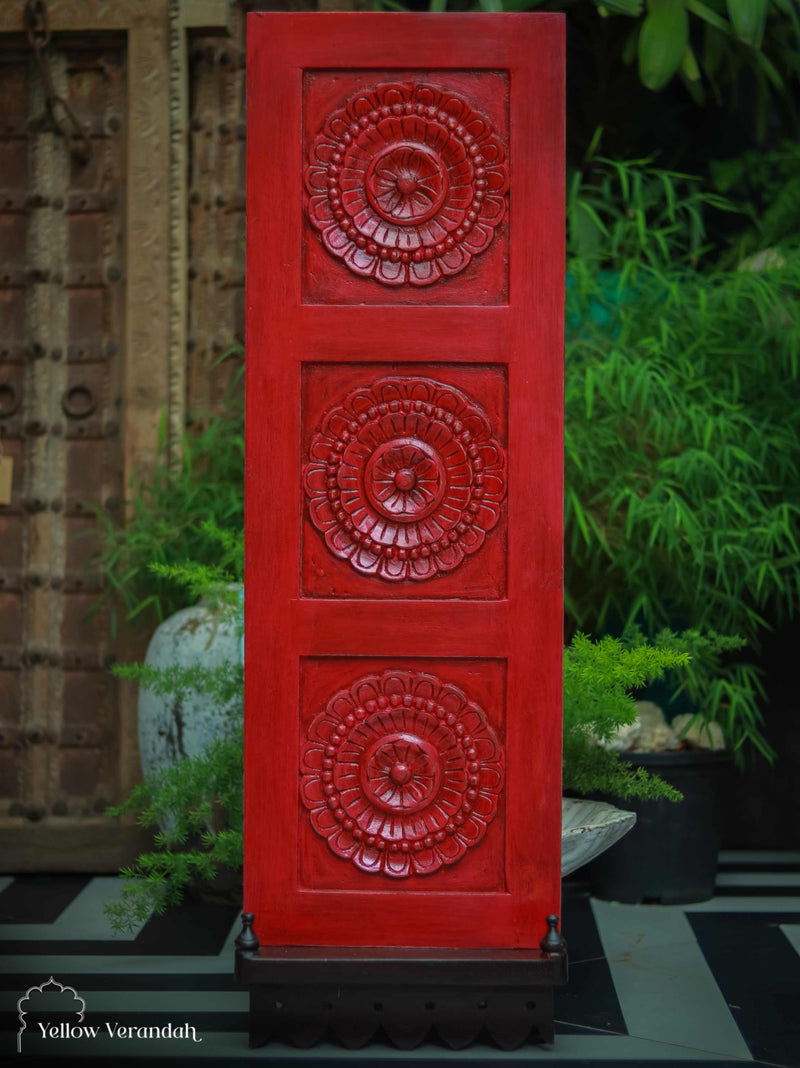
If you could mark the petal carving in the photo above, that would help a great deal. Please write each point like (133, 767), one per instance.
(407, 182)
(389, 769)
(405, 478)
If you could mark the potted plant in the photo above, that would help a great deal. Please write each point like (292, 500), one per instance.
(671, 855)
(599, 678)
(191, 692)
(193, 673)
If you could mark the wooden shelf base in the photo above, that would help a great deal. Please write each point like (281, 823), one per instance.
(304, 995)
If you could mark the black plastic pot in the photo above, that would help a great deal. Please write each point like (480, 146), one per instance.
(226, 888)
(670, 856)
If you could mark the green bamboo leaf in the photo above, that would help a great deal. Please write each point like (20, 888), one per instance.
(689, 65)
(655, 532)
(748, 18)
(662, 42)
(770, 70)
(669, 193)
(631, 46)
(595, 141)
(708, 15)
(580, 518)
(599, 533)
(632, 8)
(589, 391)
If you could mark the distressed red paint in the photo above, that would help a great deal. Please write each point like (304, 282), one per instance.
(404, 436)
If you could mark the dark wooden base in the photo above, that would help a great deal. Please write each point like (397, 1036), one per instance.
(352, 995)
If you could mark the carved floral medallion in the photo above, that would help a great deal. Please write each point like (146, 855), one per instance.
(406, 183)
(405, 478)
(401, 773)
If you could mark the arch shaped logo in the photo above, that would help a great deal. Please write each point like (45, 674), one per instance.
(55, 1000)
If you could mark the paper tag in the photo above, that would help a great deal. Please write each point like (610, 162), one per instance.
(6, 478)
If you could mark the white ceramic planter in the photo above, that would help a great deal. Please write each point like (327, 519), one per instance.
(171, 728)
(588, 828)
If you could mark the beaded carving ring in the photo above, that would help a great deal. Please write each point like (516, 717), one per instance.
(405, 478)
(406, 183)
(401, 774)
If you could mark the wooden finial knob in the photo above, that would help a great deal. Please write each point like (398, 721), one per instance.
(247, 942)
(553, 941)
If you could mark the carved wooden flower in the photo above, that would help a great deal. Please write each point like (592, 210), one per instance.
(406, 183)
(401, 773)
(405, 478)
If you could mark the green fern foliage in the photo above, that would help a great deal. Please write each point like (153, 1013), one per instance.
(196, 802)
(200, 802)
(599, 678)
(194, 512)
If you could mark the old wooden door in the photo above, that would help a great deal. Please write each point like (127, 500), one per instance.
(93, 353)
(61, 323)
(404, 430)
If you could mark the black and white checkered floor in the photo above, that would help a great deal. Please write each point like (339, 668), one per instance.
(716, 982)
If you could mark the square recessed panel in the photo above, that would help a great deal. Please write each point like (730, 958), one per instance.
(406, 187)
(402, 765)
(404, 479)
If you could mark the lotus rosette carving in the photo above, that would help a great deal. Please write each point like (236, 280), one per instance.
(406, 183)
(401, 773)
(405, 478)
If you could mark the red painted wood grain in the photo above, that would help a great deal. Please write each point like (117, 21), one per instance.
(491, 626)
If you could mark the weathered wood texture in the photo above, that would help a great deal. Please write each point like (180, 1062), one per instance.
(404, 485)
(62, 301)
(215, 277)
(93, 300)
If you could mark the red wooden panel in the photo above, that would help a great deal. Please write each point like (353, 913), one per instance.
(404, 440)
